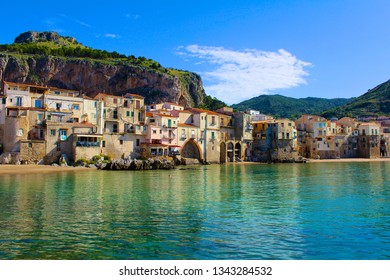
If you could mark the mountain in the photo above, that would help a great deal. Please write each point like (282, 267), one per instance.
(288, 107)
(46, 58)
(374, 102)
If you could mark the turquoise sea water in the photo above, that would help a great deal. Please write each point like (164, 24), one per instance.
(279, 211)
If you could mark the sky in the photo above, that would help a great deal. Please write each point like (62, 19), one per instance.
(241, 49)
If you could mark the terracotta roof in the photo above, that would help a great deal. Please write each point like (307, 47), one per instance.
(162, 110)
(197, 110)
(369, 123)
(88, 97)
(101, 94)
(186, 124)
(38, 86)
(172, 103)
(134, 95)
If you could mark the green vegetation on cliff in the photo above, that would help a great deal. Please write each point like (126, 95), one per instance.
(375, 102)
(288, 107)
(50, 59)
(76, 50)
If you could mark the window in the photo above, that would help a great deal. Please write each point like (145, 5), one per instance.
(193, 133)
(29, 144)
(39, 118)
(38, 103)
(75, 106)
(57, 92)
(103, 144)
(132, 114)
(288, 135)
(114, 128)
(4, 100)
(62, 134)
(137, 142)
(95, 104)
(52, 132)
(58, 106)
(20, 132)
(115, 100)
(58, 146)
(213, 120)
(127, 113)
(121, 142)
(154, 131)
(115, 114)
(19, 101)
(212, 135)
(48, 117)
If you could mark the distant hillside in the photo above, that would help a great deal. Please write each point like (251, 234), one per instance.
(375, 102)
(46, 58)
(288, 107)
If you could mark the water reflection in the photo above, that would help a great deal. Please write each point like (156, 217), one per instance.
(285, 211)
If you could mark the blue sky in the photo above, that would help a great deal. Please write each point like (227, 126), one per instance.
(240, 48)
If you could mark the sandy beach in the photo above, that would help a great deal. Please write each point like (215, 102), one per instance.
(38, 169)
(41, 169)
(348, 160)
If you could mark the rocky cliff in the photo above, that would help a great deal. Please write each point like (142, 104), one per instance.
(21, 62)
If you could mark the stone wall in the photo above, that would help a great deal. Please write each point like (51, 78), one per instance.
(261, 151)
(32, 151)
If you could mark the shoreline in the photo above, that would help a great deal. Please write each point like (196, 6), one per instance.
(323, 160)
(10, 169)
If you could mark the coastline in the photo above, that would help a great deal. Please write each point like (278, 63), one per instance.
(348, 160)
(324, 160)
(10, 169)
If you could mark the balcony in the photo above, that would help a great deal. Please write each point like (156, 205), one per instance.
(87, 144)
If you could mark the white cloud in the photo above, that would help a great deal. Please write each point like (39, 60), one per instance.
(113, 36)
(82, 23)
(240, 75)
(132, 16)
